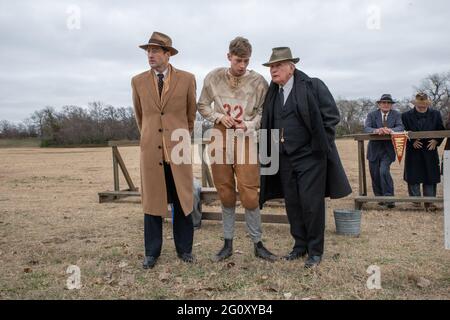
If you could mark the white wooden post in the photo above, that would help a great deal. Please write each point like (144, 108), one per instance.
(447, 198)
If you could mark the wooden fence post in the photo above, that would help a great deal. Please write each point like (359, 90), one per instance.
(447, 198)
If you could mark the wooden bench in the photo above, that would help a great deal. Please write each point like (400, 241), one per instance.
(360, 200)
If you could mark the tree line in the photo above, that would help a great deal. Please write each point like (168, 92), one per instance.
(99, 122)
(74, 125)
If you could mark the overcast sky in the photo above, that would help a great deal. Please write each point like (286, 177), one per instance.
(51, 58)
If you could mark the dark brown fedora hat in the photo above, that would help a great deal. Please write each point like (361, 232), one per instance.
(281, 54)
(161, 40)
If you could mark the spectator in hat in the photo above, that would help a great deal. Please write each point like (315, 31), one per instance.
(421, 158)
(381, 154)
(301, 113)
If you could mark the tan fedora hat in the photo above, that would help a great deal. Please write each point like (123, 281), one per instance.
(161, 40)
(422, 100)
(281, 54)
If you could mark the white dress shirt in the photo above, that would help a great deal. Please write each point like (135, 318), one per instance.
(287, 88)
(164, 73)
(382, 115)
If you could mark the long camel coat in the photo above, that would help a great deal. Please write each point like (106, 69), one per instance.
(156, 119)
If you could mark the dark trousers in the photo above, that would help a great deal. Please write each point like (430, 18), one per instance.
(380, 171)
(429, 190)
(304, 195)
(183, 229)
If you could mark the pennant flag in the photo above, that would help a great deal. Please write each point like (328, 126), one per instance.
(399, 142)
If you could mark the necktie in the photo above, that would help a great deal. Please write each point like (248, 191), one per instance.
(385, 120)
(282, 96)
(160, 83)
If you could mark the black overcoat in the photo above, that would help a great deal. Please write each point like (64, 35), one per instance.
(422, 165)
(315, 104)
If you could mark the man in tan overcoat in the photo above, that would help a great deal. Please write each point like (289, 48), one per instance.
(164, 100)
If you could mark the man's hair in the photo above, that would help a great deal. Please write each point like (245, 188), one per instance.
(240, 47)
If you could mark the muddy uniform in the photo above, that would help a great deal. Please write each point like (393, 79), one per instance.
(241, 98)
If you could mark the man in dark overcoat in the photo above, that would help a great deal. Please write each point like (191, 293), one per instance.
(421, 158)
(302, 110)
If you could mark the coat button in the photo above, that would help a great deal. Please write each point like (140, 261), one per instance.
(160, 163)
(160, 130)
(162, 113)
(159, 147)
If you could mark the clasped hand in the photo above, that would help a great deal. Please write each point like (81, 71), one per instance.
(432, 144)
(230, 122)
(383, 131)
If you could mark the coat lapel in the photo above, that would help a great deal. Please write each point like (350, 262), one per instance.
(173, 85)
(267, 119)
(269, 107)
(301, 98)
(151, 85)
(378, 119)
(390, 119)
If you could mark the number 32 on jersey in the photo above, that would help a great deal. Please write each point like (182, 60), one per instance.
(236, 112)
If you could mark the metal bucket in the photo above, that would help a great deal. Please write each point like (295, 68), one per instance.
(348, 222)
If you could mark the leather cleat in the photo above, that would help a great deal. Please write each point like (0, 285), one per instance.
(186, 257)
(294, 255)
(149, 262)
(225, 252)
(313, 261)
(263, 253)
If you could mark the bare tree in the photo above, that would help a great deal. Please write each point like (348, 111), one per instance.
(5, 128)
(404, 105)
(353, 114)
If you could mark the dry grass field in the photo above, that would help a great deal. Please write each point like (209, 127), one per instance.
(50, 218)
